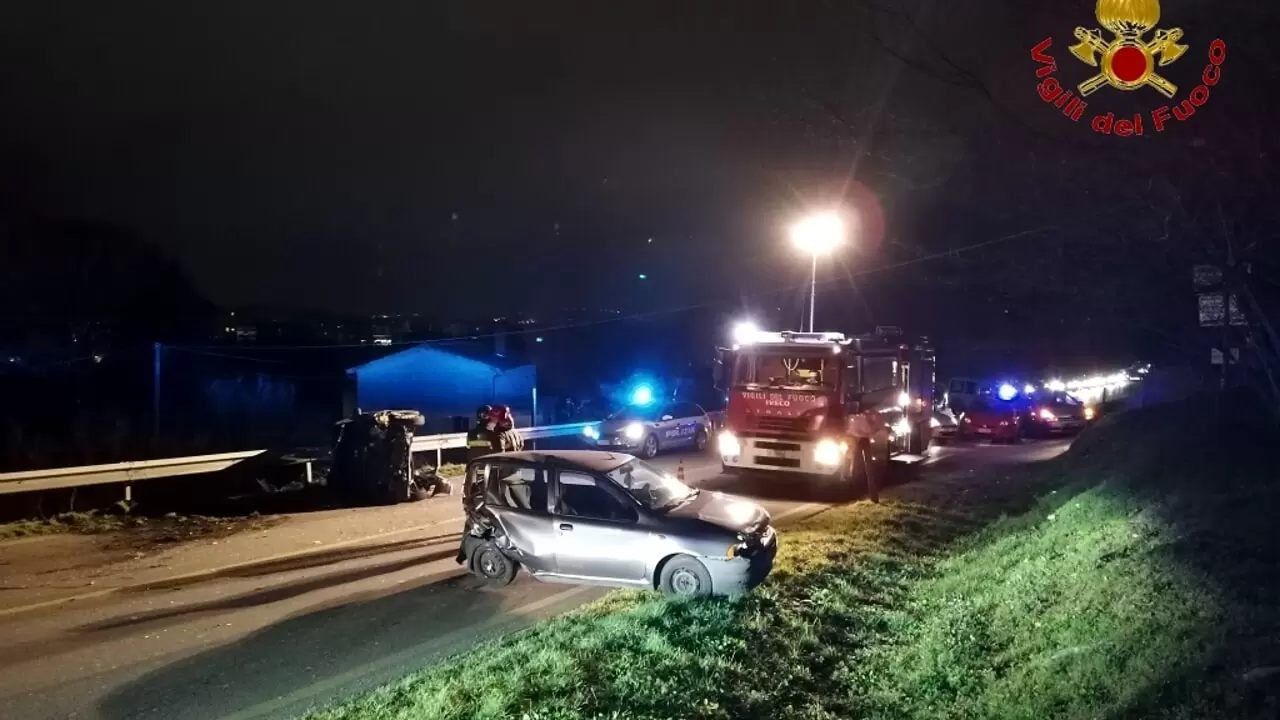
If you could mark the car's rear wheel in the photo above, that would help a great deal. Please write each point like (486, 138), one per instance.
(684, 576)
(489, 564)
(649, 449)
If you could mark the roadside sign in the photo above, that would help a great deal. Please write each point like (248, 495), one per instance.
(1206, 276)
(1215, 356)
(1211, 314)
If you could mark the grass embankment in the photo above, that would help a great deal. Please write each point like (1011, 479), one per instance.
(1134, 577)
(141, 529)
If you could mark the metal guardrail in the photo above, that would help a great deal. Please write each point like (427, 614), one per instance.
(130, 472)
(123, 472)
(459, 440)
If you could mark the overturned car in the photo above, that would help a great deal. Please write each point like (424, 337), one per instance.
(372, 460)
(602, 518)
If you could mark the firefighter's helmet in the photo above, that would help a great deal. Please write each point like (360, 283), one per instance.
(501, 416)
(484, 413)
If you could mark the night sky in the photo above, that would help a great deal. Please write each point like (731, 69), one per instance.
(405, 156)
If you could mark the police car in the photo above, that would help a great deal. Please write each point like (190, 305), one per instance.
(647, 430)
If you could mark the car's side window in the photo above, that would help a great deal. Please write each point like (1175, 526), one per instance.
(686, 410)
(581, 496)
(516, 486)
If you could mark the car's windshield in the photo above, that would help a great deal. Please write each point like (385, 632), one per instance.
(1061, 398)
(773, 370)
(985, 404)
(650, 486)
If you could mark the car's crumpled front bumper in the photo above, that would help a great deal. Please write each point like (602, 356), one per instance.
(737, 576)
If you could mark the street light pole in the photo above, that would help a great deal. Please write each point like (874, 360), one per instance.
(813, 289)
(817, 234)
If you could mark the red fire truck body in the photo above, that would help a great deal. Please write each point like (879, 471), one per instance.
(800, 403)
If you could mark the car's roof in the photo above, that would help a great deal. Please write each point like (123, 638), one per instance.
(593, 460)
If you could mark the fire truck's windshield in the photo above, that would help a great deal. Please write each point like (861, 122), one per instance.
(786, 371)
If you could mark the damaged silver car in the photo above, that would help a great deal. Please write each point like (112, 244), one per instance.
(603, 518)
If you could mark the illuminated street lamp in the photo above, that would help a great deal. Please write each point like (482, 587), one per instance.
(817, 235)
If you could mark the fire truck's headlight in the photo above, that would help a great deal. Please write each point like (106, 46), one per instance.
(729, 444)
(829, 453)
(634, 431)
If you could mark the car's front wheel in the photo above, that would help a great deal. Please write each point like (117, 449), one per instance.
(684, 576)
(700, 441)
(649, 449)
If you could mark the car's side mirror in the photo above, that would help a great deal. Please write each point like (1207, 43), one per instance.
(667, 417)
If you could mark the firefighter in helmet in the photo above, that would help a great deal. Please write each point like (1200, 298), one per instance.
(871, 438)
(504, 426)
(482, 439)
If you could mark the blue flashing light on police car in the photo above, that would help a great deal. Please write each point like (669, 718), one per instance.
(1007, 392)
(642, 395)
(591, 432)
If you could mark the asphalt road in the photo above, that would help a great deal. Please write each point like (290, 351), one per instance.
(271, 643)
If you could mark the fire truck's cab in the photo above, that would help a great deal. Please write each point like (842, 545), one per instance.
(801, 402)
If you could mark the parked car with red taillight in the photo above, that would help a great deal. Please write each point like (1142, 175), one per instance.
(996, 420)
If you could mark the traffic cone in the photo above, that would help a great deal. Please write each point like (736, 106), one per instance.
(680, 470)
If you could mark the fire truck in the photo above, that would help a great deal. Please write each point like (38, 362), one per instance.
(794, 398)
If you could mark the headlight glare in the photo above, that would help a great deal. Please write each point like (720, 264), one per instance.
(634, 431)
(729, 444)
(829, 453)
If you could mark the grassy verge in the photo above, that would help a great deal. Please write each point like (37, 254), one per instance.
(139, 530)
(1134, 577)
(72, 522)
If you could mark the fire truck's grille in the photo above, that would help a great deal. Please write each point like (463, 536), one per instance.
(778, 462)
(798, 426)
(773, 445)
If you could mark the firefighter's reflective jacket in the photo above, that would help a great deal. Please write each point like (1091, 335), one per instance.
(482, 441)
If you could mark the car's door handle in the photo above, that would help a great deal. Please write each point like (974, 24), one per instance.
(566, 526)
